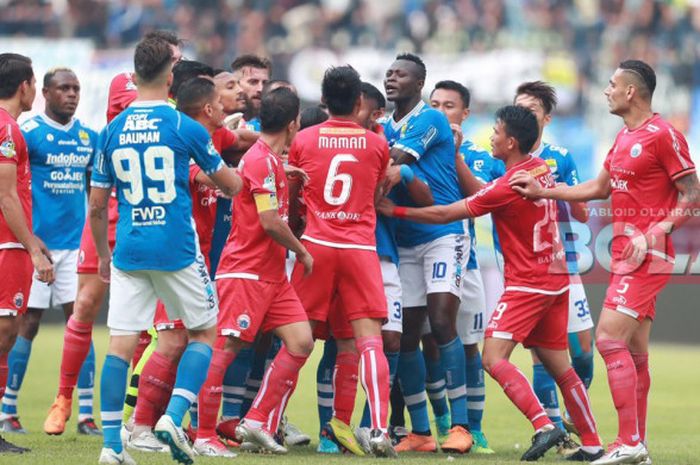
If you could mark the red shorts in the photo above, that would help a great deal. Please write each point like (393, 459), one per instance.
(162, 321)
(16, 281)
(247, 306)
(88, 261)
(337, 326)
(354, 275)
(634, 293)
(535, 320)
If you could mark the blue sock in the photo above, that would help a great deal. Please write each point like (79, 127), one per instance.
(435, 386)
(452, 357)
(393, 359)
(546, 391)
(324, 382)
(17, 361)
(254, 380)
(411, 372)
(191, 374)
(194, 415)
(112, 393)
(581, 361)
(234, 383)
(86, 385)
(476, 392)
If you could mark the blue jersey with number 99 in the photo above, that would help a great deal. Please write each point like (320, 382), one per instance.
(145, 153)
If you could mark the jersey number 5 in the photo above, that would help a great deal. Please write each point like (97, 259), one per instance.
(133, 173)
(334, 177)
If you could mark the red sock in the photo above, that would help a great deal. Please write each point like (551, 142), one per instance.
(3, 374)
(641, 363)
(279, 378)
(275, 418)
(210, 394)
(345, 385)
(579, 407)
(622, 378)
(155, 386)
(518, 389)
(144, 340)
(374, 375)
(76, 345)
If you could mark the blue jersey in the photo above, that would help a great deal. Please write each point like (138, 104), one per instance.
(145, 153)
(485, 168)
(425, 134)
(59, 157)
(385, 235)
(222, 228)
(563, 168)
(253, 125)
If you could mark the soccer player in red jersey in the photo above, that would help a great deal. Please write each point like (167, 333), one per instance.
(91, 290)
(533, 310)
(20, 250)
(653, 184)
(346, 164)
(253, 289)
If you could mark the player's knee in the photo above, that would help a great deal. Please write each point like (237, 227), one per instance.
(87, 305)
(302, 347)
(173, 345)
(29, 325)
(471, 350)
(7, 340)
(392, 341)
(443, 330)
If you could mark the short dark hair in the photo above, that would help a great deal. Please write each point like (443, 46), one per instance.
(643, 73)
(14, 70)
(279, 107)
(193, 94)
(166, 36)
(312, 116)
(276, 83)
(340, 89)
(372, 93)
(415, 59)
(254, 61)
(521, 124)
(48, 77)
(151, 58)
(457, 87)
(185, 70)
(541, 91)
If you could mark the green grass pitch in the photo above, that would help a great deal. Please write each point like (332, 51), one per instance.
(674, 415)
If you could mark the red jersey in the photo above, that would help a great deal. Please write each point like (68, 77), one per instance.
(122, 91)
(643, 165)
(528, 232)
(250, 253)
(13, 150)
(223, 139)
(345, 162)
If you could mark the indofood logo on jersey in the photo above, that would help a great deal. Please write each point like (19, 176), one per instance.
(84, 137)
(18, 300)
(243, 321)
(636, 150)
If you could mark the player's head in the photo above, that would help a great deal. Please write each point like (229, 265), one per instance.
(198, 99)
(538, 97)
(514, 133)
(172, 40)
(276, 84)
(340, 90)
(311, 116)
(405, 77)
(61, 91)
(17, 80)
(252, 71)
(231, 93)
(185, 70)
(372, 106)
(632, 83)
(153, 63)
(451, 98)
(279, 113)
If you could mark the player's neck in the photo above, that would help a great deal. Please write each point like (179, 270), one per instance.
(12, 107)
(249, 115)
(276, 142)
(636, 117)
(62, 120)
(404, 107)
(537, 144)
(148, 94)
(515, 158)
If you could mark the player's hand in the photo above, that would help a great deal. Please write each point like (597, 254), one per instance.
(457, 134)
(293, 172)
(386, 207)
(42, 262)
(307, 260)
(392, 177)
(104, 269)
(526, 185)
(233, 121)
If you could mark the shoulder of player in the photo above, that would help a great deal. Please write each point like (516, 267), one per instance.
(556, 149)
(31, 124)
(432, 115)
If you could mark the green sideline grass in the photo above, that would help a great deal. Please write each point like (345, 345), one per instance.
(674, 414)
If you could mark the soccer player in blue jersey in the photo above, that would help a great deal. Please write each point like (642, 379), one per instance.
(453, 99)
(252, 72)
(431, 257)
(540, 98)
(60, 150)
(144, 153)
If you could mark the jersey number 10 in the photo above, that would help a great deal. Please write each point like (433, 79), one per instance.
(134, 173)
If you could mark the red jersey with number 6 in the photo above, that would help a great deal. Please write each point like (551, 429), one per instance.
(532, 249)
(345, 162)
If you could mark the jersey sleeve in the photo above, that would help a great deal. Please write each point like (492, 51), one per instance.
(102, 172)
(673, 154)
(492, 197)
(294, 149)
(194, 171)
(480, 165)
(227, 138)
(570, 174)
(260, 174)
(9, 144)
(421, 134)
(201, 146)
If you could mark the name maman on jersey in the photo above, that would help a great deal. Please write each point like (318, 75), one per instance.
(342, 138)
(140, 129)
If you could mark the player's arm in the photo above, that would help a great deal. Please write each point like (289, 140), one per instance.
(275, 227)
(244, 139)
(579, 210)
(99, 198)
(227, 181)
(468, 183)
(11, 208)
(437, 214)
(526, 185)
(417, 188)
(296, 222)
(402, 157)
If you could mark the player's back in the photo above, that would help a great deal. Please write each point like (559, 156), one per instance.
(145, 153)
(345, 162)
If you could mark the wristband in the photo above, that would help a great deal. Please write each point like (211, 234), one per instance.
(406, 174)
(399, 212)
